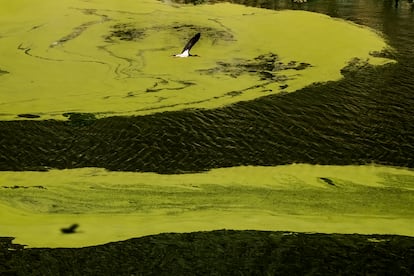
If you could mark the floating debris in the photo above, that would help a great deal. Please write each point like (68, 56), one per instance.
(327, 181)
(3, 72)
(28, 116)
(80, 119)
(7, 243)
(266, 67)
(23, 187)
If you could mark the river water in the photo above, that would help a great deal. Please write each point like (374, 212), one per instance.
(109, 59)
(379, 102)
(364, 118)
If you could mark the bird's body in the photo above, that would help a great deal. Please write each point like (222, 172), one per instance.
(185, 53)
(186, 50)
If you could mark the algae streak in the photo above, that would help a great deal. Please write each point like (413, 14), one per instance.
(112, 58)
(111, 206)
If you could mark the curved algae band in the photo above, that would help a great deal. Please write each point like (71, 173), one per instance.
(113, 58)
(111, 206)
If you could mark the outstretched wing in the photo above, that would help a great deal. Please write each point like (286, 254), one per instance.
(191, 42)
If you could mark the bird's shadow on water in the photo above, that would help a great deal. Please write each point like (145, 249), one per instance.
(71, 229)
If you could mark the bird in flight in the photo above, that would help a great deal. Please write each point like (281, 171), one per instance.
(188, 46)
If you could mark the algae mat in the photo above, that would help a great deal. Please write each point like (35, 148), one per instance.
(112, 206)
(115, 58)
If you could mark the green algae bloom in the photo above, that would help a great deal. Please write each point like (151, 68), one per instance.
(112, 206)
(111, 58)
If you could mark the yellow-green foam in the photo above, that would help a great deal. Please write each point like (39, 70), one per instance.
(59, 60)
(111, 206)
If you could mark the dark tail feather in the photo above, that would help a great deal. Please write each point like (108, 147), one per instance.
(191, 42)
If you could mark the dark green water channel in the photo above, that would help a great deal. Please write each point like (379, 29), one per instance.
(365, 118)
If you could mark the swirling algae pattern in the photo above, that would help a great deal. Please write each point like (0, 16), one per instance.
(113, 58)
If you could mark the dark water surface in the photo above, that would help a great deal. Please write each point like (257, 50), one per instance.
(365, 118)
(222, 253)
